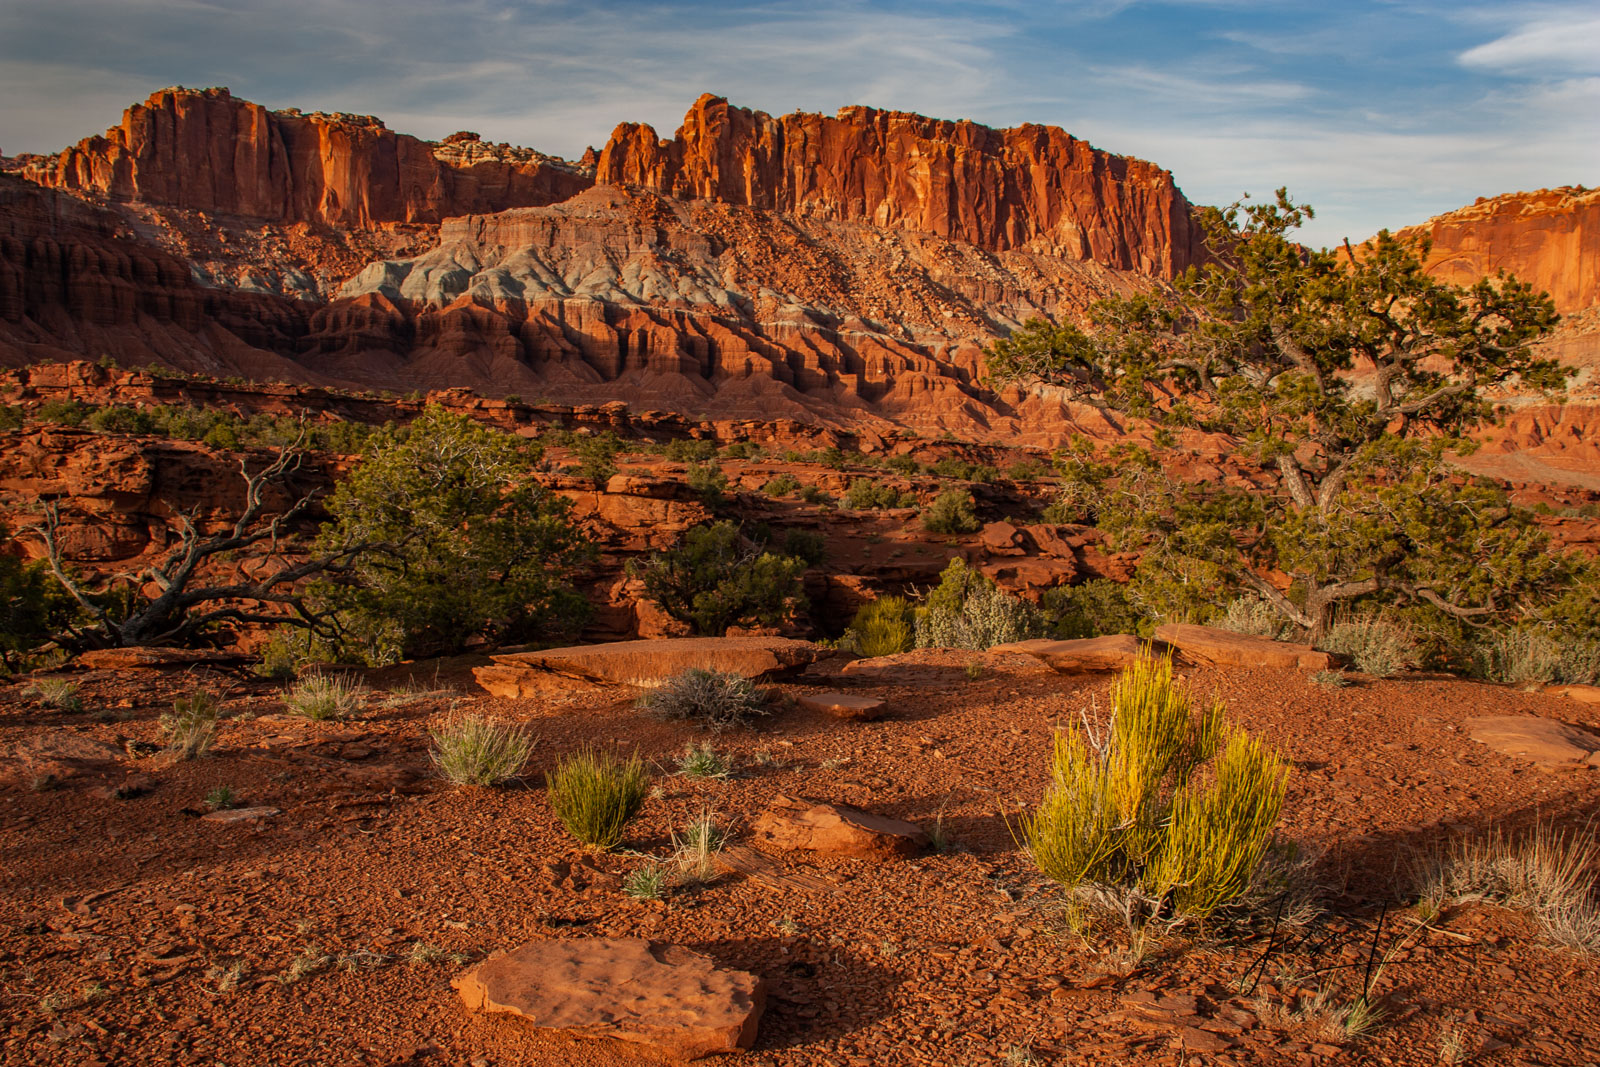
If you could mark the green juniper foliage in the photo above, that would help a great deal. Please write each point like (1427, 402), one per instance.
(469, 548)
(1263, 343)
(716, 578)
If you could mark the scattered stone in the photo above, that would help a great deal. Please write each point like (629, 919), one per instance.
(849, 706)
(798, 824)
(121, 659)
(1109, 653)
(231, 815)
(1195, 1039)
(758, 868)
(1547, 743)
(59, 756)
(1224, 648)
(627, 988)
(647, 663)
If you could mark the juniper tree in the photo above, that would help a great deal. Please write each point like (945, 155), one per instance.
(1345, 378)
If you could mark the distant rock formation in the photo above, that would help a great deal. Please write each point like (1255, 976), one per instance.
(1031, 187)
(1550, 238)
(206, 150)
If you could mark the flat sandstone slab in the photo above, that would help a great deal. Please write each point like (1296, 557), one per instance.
(788, 823)
(1225, 648)
(626, 988)
(848, 706)
(1109, 653)
(1552, 745)
(647, 664)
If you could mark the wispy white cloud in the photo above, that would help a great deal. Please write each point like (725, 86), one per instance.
(1547, 42)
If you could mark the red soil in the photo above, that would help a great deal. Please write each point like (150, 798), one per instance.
(114, 912)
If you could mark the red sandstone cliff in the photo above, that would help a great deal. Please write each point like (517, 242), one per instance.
(208, 151)
(1033, 187)
(1550, 238)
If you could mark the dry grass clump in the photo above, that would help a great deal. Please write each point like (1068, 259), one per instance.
(58, 693)
(717, 700)
(1376, 644)
(477, 750)
(192, 724)
(1167, 800)
(694, 853)
(883, 627)
(1529, 657)
(325, 696)
(1252, 616)
(595, 794)
(1548, 873)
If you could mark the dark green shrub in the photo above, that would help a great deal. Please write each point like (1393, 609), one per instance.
(809, 545)
(904, 464)
(813, 495)
(883, 627)
(33, 606)
(716, 578)
(742, 450)
(687, 451)
(66, 412)
(121, 419)
(597, 456)
(956, 467)
(595, 794)
(11, 417)
(952, 512)
(781, 485)
(470, 548)
(708, 480)
(1092, 609)
(865, 494)
(717, 700)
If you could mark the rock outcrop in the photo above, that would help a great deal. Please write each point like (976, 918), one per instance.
(206, 150)
(788, 823)
(1030, 187)
(625, 988)
(1550, 238)
(650, 663)
(1224, 648)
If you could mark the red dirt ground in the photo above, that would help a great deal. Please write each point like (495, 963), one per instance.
(118, 917)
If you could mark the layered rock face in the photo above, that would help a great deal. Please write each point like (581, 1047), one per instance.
(704, 306)
(1550, 238)
(208, 151)
(1031, 187)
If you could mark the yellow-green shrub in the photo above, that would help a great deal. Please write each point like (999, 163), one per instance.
(1149, 806)
(884, 626)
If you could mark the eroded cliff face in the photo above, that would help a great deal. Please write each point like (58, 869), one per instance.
(205, 150)
(1550, 238)
(1031, 187)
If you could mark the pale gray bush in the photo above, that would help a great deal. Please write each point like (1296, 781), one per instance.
(1376, 644)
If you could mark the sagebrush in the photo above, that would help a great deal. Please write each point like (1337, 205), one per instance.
(717, 700)
(969, 611)
(477, 750)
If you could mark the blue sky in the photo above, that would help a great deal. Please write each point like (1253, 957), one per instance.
(1377, 113)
